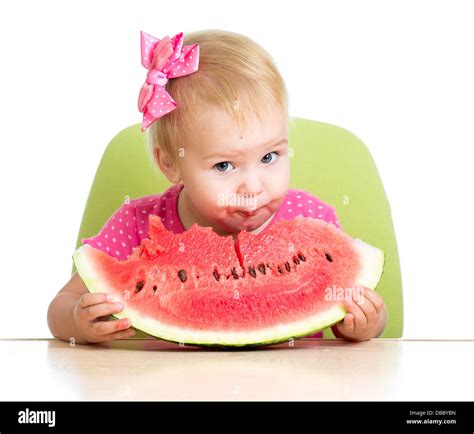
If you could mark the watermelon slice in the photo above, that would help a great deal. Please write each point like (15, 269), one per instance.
(199, 288)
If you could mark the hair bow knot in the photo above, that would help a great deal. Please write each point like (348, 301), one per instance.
(165, 59)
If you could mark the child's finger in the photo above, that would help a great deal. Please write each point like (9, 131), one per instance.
(360, 320)
(102, 309)
(374, 298)
(106, 327)
(349, 322)
(367, 308)
(89, 299)
(122, 334)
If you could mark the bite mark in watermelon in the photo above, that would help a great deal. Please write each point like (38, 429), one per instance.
(199, 288)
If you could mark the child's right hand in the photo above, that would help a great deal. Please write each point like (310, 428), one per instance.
(92, 317)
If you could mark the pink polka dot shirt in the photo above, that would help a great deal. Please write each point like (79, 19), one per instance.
(128, 226)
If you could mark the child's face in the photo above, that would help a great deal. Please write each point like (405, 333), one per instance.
(227, 172)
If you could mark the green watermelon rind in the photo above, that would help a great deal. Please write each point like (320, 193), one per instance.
(369, 277)
(285, 338)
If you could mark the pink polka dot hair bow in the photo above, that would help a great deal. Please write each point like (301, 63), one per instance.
(164, 59)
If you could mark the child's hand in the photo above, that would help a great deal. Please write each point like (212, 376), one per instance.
(91, 315)
(366, 316)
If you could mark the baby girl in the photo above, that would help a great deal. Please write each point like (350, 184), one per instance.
(217, 113)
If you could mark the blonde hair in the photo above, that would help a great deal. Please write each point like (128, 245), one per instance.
(235, 74)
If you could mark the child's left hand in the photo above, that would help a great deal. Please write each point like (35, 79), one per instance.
(366, 316)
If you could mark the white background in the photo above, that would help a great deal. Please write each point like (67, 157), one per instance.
(398, 74)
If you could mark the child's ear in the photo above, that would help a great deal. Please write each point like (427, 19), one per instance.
(167, 166)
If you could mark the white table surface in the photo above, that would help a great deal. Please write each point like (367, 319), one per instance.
(311, 370)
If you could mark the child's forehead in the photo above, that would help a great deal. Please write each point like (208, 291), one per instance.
(217, 128)
(240, 145)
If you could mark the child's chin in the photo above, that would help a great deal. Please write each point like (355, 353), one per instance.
(250, 226)
(237, 226)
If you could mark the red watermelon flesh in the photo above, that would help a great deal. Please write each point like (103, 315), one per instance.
(200, 288)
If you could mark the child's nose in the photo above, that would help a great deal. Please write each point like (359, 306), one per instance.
(250, 191)
(251, 185)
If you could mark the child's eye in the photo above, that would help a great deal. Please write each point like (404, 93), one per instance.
(223, 165)
(266, 159)
(219, 165)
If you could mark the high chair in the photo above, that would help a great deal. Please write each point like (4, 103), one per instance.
(326, 160)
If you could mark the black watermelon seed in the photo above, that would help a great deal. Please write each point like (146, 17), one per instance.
(280, 270)
(296, 260)
(216, 275)
(287, 266)
(234, 273)
(252, 271)
(154, 288)
(328, 257)
(262, 269)
(182, 275)
(301, 256)
(139, 286)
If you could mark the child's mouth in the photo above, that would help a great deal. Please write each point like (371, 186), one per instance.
(248, 214)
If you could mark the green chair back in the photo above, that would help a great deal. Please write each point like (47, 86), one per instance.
(326, 160)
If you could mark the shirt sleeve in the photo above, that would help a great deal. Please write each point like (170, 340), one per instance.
(331, 217)
(119, 234)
